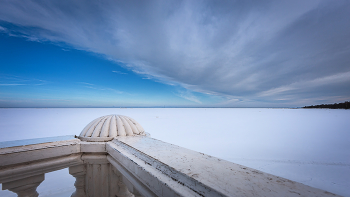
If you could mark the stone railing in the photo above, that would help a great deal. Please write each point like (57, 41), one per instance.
(135, 166)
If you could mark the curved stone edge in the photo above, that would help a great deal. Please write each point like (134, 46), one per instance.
(96, 139)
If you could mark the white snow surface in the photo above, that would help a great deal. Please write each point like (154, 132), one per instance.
(311, 146)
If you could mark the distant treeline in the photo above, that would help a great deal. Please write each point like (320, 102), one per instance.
(344, 105)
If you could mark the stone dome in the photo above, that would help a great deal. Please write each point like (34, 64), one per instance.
(105, 128)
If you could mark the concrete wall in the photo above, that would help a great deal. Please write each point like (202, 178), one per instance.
(137, 166)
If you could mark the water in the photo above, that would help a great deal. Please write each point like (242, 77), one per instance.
(310, 146)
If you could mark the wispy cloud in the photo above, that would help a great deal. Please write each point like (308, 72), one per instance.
(101, 88)
(12, 80)
(3, 29)
(232, 48)
(57, 100)
(119, 72)
(14, 84)
(31, 100)
(188, 95)
(331, 80)
(90, 84)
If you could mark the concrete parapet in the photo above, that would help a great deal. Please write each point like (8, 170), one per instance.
(139, 166)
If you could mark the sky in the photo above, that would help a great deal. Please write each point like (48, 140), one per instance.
(268, 53)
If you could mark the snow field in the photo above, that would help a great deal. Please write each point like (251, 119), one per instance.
(310, 146)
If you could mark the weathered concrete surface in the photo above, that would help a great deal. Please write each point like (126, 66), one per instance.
(92, 147)
(28, 159)
(135, 182)
(79, 172)
(35, 141)
(20, 154)
(210, 176)
(97, 177)
(143, 166)
(28, 169)
(156, 181)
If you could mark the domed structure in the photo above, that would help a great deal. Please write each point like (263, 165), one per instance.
(105, 128)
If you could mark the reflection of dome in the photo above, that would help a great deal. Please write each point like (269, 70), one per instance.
(105, 128)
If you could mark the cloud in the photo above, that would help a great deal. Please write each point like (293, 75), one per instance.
(331, 80)
(101, 88)
(89, 84)
(188, 95)
(13, 84)
(13, 80)
(336, 86)
(237, 49)
(119, 72)
(3, 29)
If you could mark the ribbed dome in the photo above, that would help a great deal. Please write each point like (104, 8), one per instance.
(105, 128)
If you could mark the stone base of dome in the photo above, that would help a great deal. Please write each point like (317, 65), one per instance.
(96, 139)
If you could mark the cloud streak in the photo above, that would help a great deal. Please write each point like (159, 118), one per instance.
(13, 84)
(119, 72)
(12, 80)
(2, 29)
(238, 49)
(188, 96)
(101, 88)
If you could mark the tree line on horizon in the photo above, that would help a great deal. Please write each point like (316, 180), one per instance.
(345, 105)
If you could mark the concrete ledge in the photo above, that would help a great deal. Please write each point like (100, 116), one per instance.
(95, 158)
(21, 171)
(134, 181)
(206, 175)
(92, 147)
(95, 139)
(155, 168)
(155, 180)
(26, 142)
(29, 153)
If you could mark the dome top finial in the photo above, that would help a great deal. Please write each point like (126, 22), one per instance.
(105, 128)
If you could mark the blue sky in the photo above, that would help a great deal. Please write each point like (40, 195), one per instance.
(174, 54)
(46, 74)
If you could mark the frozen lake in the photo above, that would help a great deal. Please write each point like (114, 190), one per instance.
(311, 146)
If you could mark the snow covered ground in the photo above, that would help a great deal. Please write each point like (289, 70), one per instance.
(311, 146)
